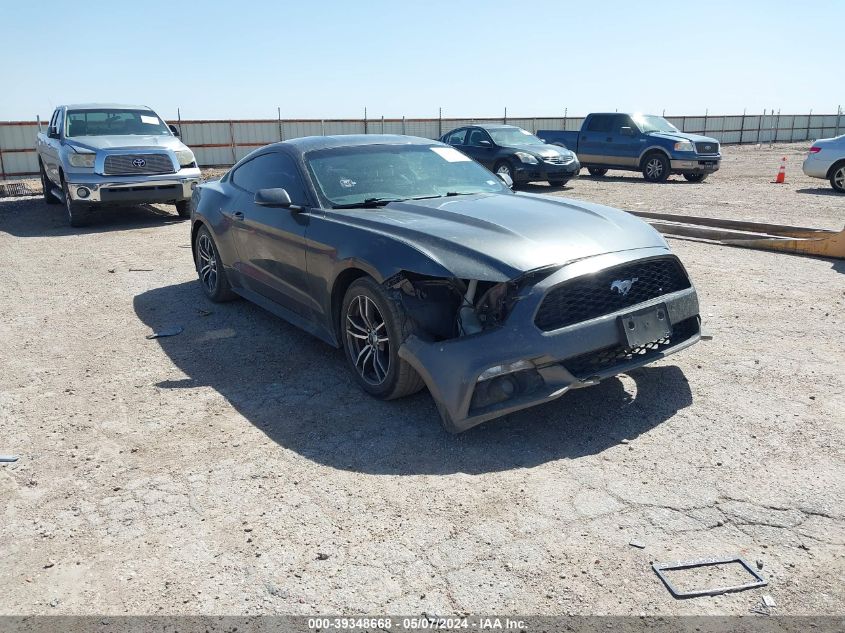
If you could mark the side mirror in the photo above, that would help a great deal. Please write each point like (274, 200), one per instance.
(175, 130)
(52, 132)
(626, 131)
(485, 143)
(277, 198)
(506, 179)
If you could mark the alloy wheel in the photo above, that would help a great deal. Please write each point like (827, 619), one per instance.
(207, 263)
(839, 179)
(505, 170)
(367, 339)
(654, 168)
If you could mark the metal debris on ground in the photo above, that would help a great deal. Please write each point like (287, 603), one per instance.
(637, 544)
(140, 270)
(170, 331)
(768, 237)
(14, 189)
(769, 601)
(660, 568)
(8, 459)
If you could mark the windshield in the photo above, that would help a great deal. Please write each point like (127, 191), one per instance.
(513, 136)
(651, 123)
(371, 174)
(110, 122)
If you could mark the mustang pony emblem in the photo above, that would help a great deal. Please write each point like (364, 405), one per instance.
(623, 286)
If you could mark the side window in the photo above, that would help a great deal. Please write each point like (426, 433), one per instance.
(53, 119)
(477, 135)
(271, 171)
(623, 120)
(600, 123)
(457, 137)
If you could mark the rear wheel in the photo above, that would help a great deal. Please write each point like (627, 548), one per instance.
(373, 327)
(78, 213)
(47, 186)
(597, 171)
(656, 167)
(210, 268)
(183, 208)
(837, 178)
(695, 177)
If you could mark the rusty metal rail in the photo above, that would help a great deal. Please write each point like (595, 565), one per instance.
(769, 237)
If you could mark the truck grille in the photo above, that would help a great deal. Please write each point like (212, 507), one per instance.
(558, 160)
(707, 147)
(595, 295)
(129, 164)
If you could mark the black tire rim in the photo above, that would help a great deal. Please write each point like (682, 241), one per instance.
(839, 179)
(207, 263)
(654, 168)
(367, 340)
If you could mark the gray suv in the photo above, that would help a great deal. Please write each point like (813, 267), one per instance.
(94, 154)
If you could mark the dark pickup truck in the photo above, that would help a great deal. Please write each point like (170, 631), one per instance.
(638, 142)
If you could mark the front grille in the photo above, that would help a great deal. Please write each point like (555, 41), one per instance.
(601, 293)
(598, 362)
(128, 164)
(558, 160)
(707, 147)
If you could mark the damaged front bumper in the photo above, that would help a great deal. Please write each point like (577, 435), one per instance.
(496, 372)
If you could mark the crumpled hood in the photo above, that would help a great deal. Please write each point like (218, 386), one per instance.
(94, 143)
(497, 237)
(684, 136)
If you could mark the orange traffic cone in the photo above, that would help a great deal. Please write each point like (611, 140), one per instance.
(781, 177)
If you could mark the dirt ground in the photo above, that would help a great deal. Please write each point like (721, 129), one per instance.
(238, 469)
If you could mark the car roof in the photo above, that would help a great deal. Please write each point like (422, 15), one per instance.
(105, 106)
(310, 143)
(494, 126)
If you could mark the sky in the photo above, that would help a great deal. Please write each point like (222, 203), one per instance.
(331, 59)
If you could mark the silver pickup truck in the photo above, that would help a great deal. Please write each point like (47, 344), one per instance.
(95, 154)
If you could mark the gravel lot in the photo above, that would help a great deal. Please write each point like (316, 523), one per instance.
(238, 469)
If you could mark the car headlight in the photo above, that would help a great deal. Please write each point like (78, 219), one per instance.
(185, 157)
(81, 160)
(525, 157)
(684, 146)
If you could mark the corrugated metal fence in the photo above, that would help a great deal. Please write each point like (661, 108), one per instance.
(222, 143)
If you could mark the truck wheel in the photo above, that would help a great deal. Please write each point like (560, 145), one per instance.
(656, 167)
(837, 178)
(47, 186)
(78, 214)
(183, 208)
(695, 177)
(597, 171)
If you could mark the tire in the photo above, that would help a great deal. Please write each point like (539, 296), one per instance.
(78, 214)
(183, 208)
(504, 167)
(559, 183)
(656, 167)
(47, 186)
(695, 177)
(837, 178)
(372, 328)
(597, 171)
(213, 281)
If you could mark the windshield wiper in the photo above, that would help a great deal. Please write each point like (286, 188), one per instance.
(448, 194)
(369, 203)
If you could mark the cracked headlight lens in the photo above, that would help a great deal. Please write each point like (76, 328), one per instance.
(185, 157)
(81, 160)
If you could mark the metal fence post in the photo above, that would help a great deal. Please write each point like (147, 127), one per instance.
(178, 119)
(838, 117)
(505, 120)
(440, 122)
(742, 127)
(232, 141)
(760, 125)
(403, 124)
(2, 166)
(382, 124)
(565, 112)
(807, 133)
(365, 121)
(281, 133)
(706, 110)
(322, 127)
(776, 128)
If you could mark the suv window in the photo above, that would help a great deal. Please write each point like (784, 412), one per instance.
(600, 123)
(271, 171)
(457, 137)
(623, 120)
(53, 119)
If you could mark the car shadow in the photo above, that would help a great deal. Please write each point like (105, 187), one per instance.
(820, 191)
(537, 188)
(671, 180)
(32, 217)
(301, 394)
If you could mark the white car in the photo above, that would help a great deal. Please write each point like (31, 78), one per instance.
(827, 160)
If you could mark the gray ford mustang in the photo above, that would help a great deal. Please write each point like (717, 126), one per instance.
(430, 272)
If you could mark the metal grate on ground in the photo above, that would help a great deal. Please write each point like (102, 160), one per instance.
(14, 189)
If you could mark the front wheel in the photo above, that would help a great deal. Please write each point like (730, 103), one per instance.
(837, 179)
(183, 208)
(559, 183)
(695, 177)
(373, 327)
(656, 168)
(78, 214)
(505, 169)
(47, 186)
(597, 171)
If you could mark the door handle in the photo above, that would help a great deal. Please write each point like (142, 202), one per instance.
(238, 215)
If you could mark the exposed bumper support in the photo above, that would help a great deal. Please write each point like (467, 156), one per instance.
(94, 188)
